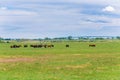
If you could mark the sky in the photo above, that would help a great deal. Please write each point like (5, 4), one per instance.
(59, 18)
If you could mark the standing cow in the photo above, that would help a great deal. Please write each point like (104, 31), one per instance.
(25, 46)
(92, 45)
(67, 45)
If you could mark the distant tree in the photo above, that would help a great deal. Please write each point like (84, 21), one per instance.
(99, 38)
(118, 37)
(1, 39)
(40, 39)
(7, 39)
(69, 37)
(47, 38)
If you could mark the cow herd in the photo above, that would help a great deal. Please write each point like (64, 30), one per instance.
(33, 46)
(43, 46)
(15, 46)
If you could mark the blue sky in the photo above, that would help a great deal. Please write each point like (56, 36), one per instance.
(59, 18)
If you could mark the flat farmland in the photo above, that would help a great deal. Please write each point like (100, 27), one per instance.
(77, 62)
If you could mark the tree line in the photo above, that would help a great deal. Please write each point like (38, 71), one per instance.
(68, 38)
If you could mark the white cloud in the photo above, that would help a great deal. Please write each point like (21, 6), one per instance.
(3, 8)
(109, 9)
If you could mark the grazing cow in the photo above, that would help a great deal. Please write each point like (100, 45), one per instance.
(40, 46)
(25, 46)
(92, 45)
(50, 46)
(45, 46)
(31, 45)
(36, 46)
(67, 45)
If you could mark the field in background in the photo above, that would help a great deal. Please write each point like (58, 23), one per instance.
(78, 62)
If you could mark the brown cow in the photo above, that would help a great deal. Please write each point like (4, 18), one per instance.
(92, 45)
(50, 46)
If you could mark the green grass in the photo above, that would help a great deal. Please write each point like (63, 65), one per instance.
(78, 62)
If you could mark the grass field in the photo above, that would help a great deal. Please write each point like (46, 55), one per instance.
(78, 62)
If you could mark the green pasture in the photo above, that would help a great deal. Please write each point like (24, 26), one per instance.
(78, 62)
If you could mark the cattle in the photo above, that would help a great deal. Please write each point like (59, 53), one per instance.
(39, 46)
(45, 46)
(35, 46)
(31, 45)
(25, 46)
(67, 45)
(15, 46)
(92, 45)
(50, 46)
(42, 46)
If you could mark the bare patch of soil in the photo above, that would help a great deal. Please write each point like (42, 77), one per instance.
(79, 66)
(7, 60)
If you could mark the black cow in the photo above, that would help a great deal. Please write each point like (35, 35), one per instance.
(25, 46)
(67, 45)
(40, 46)
(36, 46)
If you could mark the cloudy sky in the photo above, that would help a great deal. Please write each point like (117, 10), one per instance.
(59, 18)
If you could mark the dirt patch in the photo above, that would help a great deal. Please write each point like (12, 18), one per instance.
(78, 66)
(102, 68)
(41, 58)
(77, 54)
(118, 64)
(6, 60)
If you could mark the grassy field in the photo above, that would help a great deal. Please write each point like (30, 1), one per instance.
(78, 62)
